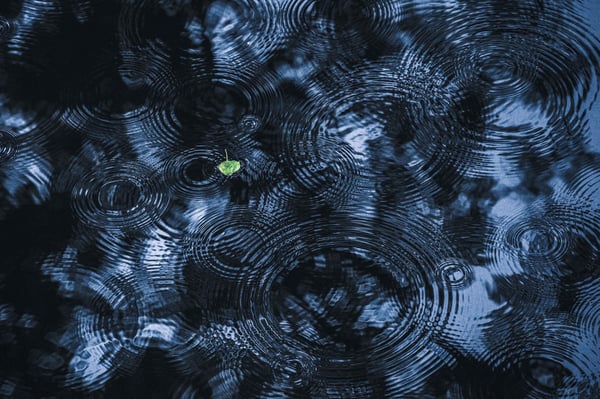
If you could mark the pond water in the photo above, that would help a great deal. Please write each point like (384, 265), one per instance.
(299, 199)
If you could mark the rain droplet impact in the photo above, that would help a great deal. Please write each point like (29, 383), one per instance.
(8, 145)
(7, 28)
(193, 173)
(455, 272)
(249, 123)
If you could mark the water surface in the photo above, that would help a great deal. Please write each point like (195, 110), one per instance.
(416, 213)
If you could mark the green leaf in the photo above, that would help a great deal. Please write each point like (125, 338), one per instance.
(229, 167)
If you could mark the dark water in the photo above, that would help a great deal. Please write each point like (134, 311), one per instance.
(416, 214)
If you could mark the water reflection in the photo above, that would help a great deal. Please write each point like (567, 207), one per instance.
(416, 215)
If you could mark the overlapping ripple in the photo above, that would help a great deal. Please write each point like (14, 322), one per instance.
(417, 212)
(547, 241)
(323, 168)
(122, 99)
(249, 42)
(566, 365)
(516, 82)
(7, 27)
(193, 173)
(121, 195)
(107, 324)
(8, 145)
(237, 242)
(352, 300)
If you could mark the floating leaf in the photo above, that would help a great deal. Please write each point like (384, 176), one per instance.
(229, 167)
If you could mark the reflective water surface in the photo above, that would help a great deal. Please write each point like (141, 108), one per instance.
(416, 213)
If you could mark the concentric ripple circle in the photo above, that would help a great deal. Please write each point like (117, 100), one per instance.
(236, 243)
(133, 97)
(293, 369)
(316, 161)
(546, 377)
(125, 195)
(455, 271)
(355, 300)
(7, 27)
(106, 328)
(193, 173)
(324, 168)
(315, 290)
(254, 38)
(565, 365)
(548, 242)
(249, 123)
(8, 145)
(516, 84)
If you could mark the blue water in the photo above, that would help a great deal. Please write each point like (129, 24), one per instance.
(416, 213)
